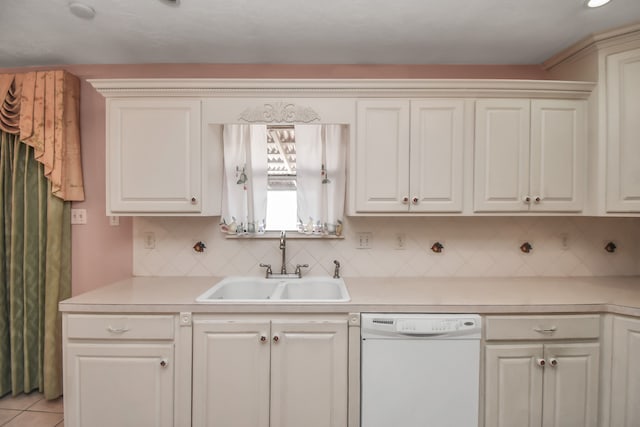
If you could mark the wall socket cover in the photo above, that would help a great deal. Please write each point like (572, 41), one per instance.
(149, 240)
(364, 240)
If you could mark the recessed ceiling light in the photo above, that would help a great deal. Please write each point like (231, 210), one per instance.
(82, 10)
(597, 3)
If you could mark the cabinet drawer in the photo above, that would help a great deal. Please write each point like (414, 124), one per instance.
(120, 327)
(542, 327)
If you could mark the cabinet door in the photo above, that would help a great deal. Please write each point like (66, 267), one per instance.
(309, 374)
(623, 132)
(558, 162)
(154, 158)
(571, 385)
(436, 155)
(382, 156)
(513, 385)
(625, 376)
(230, 374)
(125, 385)
(501, 177)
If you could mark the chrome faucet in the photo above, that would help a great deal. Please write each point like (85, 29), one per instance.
(336, 272)
(283, 270)
(283, 248)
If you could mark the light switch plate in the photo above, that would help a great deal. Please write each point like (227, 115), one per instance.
(78, 216)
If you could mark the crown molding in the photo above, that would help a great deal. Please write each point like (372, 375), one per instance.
(593, 43)
(340, 88)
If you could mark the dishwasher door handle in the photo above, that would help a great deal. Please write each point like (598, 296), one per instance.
(421, 334)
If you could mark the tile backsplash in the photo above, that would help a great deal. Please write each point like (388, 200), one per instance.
(473, 246)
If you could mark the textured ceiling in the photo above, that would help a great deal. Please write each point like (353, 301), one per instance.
(37, 32)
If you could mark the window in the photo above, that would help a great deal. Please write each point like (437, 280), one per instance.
(282, 202)
(283, 177)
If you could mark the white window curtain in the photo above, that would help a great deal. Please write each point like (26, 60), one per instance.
(321, 160)
(244, 194)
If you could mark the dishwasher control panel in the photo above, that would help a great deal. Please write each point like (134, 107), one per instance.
(452, 326)
(433, 326)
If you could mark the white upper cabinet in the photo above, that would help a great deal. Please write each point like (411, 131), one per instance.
(154, 156)
(437, 149)
(623, 131)
(410, 142)
(530, 155)
(382, 156)
(501, 155)
(409, 155)
(611, 60)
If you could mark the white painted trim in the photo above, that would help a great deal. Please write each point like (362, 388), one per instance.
(341, 88)
(593, 43)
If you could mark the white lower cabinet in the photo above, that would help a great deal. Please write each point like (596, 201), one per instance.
(119, 371)
(545, 383)
(278, 372)
(625, 375)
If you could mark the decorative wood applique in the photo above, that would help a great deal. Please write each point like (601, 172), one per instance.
(280, 112)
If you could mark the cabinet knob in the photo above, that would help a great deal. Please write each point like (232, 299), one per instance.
(527, 199)
(541, 362)
(263, 339)
(405, 200)
(537, 199)
(194, 200)
(415, 200)
(164, 363)
(276, 338)
(553, 362)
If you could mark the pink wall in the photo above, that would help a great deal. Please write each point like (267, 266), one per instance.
(103, 253)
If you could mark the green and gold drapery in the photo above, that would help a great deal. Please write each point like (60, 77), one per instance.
(43, 108)
(40, 173)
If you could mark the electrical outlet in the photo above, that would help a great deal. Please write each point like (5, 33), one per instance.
(364, 240)
(149, 240)
(564, 241)
(400, 241)
(78, 216)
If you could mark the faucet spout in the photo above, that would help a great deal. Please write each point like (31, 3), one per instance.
(283, 248)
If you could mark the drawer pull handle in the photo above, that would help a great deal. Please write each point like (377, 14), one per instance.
(546, 330)
(117, 330)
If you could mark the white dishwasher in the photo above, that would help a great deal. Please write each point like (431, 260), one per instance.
(420, 370)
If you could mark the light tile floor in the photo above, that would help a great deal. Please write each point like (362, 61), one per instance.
(31, 410)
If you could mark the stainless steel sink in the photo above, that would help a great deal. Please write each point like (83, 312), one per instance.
(261, 290)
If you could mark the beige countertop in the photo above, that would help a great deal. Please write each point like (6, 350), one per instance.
(482, 295)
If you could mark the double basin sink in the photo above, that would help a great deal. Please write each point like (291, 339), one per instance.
(272, 290)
